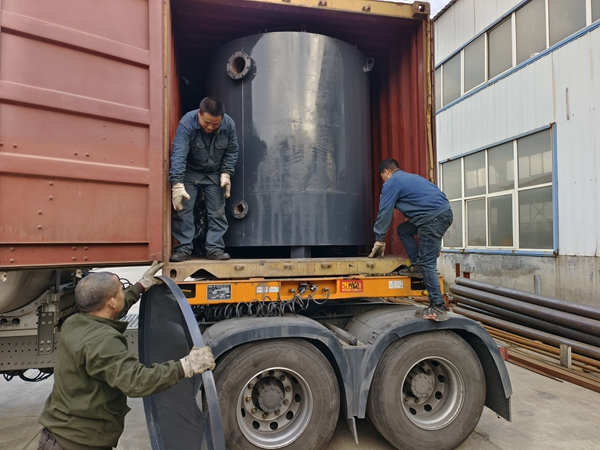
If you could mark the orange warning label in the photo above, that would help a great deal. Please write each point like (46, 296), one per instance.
(351, 286)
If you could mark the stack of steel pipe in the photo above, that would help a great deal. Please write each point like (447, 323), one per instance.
(530, 315)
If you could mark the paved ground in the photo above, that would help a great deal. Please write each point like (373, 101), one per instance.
(547, 414)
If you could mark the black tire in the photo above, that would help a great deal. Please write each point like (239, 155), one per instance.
(287, 379)
(427, 392)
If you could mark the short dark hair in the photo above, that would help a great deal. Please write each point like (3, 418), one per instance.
(93, 291)
(389, 164)
(212, 106)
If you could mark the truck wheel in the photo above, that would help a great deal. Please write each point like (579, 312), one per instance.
(275, 394)
(427, 392)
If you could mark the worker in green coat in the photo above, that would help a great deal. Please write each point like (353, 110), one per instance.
(95, 372)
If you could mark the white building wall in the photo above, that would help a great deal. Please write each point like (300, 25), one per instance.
(533, 97)
(514, 105)
(576, 67)
(464, 20)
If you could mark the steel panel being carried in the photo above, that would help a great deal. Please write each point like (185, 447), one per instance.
(187, 415)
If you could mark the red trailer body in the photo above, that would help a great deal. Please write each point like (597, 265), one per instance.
(90, 98)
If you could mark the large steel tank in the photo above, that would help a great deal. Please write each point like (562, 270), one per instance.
(300, 102)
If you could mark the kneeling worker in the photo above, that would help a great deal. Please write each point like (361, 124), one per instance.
(95, 372)
(429, 216)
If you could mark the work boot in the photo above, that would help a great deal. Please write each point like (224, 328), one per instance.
(436, 313)
(179, 257)
(218, 255)
(412, 271)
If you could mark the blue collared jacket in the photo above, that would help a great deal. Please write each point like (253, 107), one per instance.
(417, 198)
(203, 154)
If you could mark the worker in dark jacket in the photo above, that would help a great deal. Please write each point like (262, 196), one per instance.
(429, 216)
(205, 150)
(95, 372)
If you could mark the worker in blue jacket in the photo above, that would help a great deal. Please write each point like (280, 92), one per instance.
(205, 151)
(429, 216)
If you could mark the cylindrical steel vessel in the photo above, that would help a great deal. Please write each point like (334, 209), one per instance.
(300, 102)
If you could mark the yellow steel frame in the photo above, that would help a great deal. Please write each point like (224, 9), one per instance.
(419, 10)
(216, 292)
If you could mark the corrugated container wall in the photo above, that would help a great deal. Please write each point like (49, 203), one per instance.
(81, 129)
(87, 116)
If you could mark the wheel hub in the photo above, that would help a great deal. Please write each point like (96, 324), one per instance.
(270, 395)
(422, 385)
(275, 407)
(433, 393)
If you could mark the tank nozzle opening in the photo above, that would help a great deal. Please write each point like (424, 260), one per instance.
(239, 210)
(238, 65)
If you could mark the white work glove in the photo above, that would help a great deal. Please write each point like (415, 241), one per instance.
(198, 361)
(178, 194)
(148, 280)
(226, 183)
(378, 250)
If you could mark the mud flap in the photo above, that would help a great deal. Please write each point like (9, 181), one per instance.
(185, 416)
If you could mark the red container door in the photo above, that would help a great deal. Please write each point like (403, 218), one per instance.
(81, 132)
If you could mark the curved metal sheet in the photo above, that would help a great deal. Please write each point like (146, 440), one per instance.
(185, 416)
(303, 121)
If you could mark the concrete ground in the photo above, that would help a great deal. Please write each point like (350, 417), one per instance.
(547, 414)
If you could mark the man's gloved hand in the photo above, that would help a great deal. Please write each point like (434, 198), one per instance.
(148, 280)
(378, 250)
(226, 183)
(178, 194)
(198, 361)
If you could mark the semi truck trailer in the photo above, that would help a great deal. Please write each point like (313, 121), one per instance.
(299, 320)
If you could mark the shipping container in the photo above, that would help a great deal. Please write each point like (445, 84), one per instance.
(91, 93)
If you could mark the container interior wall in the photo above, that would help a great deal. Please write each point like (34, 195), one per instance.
(397, 83)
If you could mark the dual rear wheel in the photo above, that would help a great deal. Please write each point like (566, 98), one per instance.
(427, 393)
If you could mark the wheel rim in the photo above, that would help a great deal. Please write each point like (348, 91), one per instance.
(433, 393)
(274, 407)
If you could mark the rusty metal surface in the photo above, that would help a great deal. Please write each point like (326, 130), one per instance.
(537, 299)
(80, 132)
(522, 319)
(568, 320)
(556, 371)
(584, 349)
(283, 268)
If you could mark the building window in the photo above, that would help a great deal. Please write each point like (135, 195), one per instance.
(539, 24)
(475, 64)
(475, 174)
(501, 174)
(531, 30)
(501, 197)
(565, 18)
(451, 80)
(535, 218)
(453, 237)
(500, 49)
(595, 10)
(451, 179)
